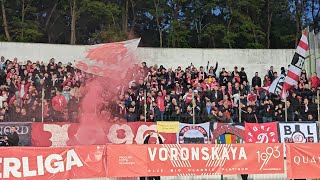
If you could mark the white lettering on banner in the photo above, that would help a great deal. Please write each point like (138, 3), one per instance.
(59, 134)
(174, 153)
(205, 154)
(263, 138)
(5, 130)
(306, 159)
(11, 165)
(54, 163)
(26, 170)
(58, 165)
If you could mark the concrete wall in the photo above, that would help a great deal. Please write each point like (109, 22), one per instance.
(253, 60)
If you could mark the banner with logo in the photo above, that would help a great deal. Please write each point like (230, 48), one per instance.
(23, 130)
(69, 134)
(303, 160)
(298, 132)
(52, 163)
(261, 132)
(227, 133)
(194, 159)
(193, 133)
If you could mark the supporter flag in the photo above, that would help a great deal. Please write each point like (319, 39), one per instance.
(109, 59)
(283, 83)
(193, 133)
(261, 133)
(276, 86)
(297, 63)
(227, 133)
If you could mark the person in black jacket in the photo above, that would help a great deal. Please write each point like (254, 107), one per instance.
(12, 138)
(307, 108)
(256, 80)
(146, 141)
(250, 116)
(243, 76)
(267, 112)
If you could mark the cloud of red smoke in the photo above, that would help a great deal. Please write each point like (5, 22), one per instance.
(100, 94)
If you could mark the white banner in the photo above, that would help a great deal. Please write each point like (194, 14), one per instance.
(298, 132)
(193, 133)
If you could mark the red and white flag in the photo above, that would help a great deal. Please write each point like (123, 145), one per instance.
(277, 86)
(297, 64)
(109, 59)
(261, 132)
(281, 85)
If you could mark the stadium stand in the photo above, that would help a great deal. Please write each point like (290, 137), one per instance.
(209, 93)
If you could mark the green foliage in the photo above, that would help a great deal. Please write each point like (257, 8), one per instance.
(181, 23)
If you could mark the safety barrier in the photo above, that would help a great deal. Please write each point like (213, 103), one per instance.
(69, 134)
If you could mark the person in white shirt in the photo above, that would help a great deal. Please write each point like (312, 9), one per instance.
(3, 98)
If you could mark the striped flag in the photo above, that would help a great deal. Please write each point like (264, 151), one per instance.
(297, 64)
(277, 87)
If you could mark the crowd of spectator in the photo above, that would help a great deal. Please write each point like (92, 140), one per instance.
(204, 94)
(34, 91)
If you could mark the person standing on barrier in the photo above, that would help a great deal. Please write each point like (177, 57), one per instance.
(148, 141)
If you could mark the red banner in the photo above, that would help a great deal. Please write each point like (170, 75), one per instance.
(70, 134)
(303, 160)
(52, 163)
(193, 159)
(261, 133)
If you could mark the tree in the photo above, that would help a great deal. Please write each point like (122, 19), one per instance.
(299, 10)
(5, 22)
(158, 13)
(125, 9)
(160, 23)
(313, 8)
(73, 13)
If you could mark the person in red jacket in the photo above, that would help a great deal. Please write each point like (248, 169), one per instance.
(315, 81)
(160, 103)
(59, 103)
(23, 88)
